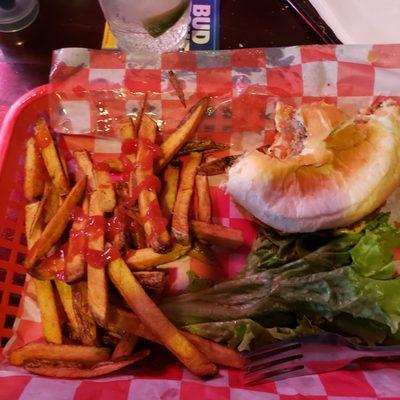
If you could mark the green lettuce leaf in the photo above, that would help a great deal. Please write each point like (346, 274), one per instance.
(250, 295)
(373, 256)
(269, 251)
(323, 294)
(196, 283)
(236, 334)
(371, 332)
(245, 334)
(320, 276)
(304, 327)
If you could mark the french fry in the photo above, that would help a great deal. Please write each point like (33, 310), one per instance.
(203, 253)
(33, 230)
(155, 320)
(204, 145)
(111, 338)
(176, 84)
(39, 213)
(127, 129)
(65, 294)
(75, 259)
(157, 235)
(48, 311)
(217, 353)
(52, 204)
(147, 258)
(44, 297)
(125, 346)
(62, 369)
(52, 267)
(105, 187)
(44, 289)
(180, 219)
(96, 276)
(56, 226)
(62, 161)
(122, 191)
(151, 279)
(97, 179)
(218, 166)
(137, 234)
(122, 321)
(85, 167)
(140, 113)
(86, 325)
(217, 234)
(169, 189)
(50, 157)
(117, 232)
(87, 355)
(113, 164)
(181, 135)
(203, 198)
(49, 204)
(132, 217)
(128, 135)
(34, 171)
(30, 290)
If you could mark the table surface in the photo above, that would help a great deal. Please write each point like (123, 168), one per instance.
(25, 57)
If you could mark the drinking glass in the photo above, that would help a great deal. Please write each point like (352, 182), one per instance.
(148, 25)
(16, 15)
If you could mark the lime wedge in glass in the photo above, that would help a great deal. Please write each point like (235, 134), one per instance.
(159, 24)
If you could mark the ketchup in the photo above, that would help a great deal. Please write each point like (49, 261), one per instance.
(127, 166)
(42, 171)
(114, 227)
(154, 151)
(158, 222)
(55, 264)
(129, 146)
(151, 183)
(111, 254)
(99, 258)
(147, 163)
(95, 227)
(95, 258)
(78, 215)
(102, 166)
(77, 243)
(130, 202)
(43, 139)
(154, 148)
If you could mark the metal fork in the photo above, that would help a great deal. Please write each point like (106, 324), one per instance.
(307, 355)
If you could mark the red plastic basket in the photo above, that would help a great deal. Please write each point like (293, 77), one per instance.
(13, 136)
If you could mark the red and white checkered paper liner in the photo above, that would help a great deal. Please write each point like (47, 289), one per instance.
(93, 87)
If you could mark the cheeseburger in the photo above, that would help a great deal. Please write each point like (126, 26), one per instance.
(324, 170)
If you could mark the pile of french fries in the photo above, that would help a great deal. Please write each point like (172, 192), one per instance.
(96, 233)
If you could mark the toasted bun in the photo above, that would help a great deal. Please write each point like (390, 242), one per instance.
(319, 120)
(348, 176)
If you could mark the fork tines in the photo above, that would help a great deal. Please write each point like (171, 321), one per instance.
(274, 362)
